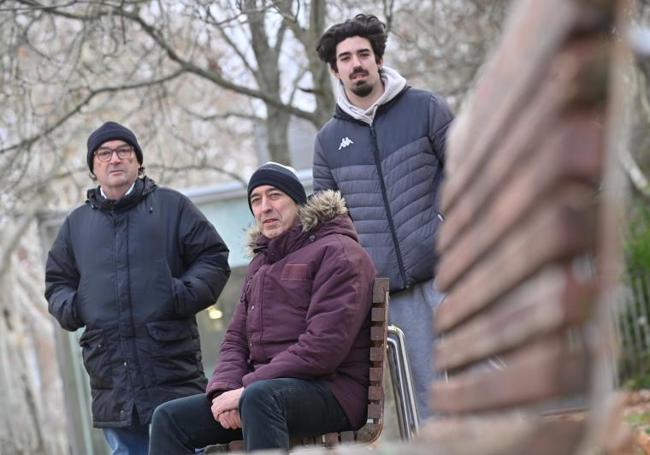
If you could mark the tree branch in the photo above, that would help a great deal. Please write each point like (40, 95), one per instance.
(11, 238)
(223, 116)
(26, 143)
(185, 65)
(635, 175)
(202, 166)
(213, 76)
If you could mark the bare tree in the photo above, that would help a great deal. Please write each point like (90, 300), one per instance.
(637, 161)
(440, 45)
(239, 47)
(191, 79)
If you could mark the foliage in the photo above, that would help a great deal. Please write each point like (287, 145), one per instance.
(637, 244)
(639, 419)
(634, 320)
(638, 381)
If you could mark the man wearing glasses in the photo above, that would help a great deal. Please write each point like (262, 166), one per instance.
(133, 265)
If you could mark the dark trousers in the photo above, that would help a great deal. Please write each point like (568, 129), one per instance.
(271, 411)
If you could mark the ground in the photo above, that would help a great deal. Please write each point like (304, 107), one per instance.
(636, 415)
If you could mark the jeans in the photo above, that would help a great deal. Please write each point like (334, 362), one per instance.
(271, 412)
(412, 311)
(133, 440)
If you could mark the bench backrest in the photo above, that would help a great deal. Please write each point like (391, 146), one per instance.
(371, 431)
(527, 252)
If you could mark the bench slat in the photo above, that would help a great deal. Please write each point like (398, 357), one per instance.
(379, 290)
(514, 200)
(559, 229)
(503, 433)
(377, 334)
(376, 374)
(545, 369)
(556, 298)
(378, 315)
(375, 411)
(375, 393)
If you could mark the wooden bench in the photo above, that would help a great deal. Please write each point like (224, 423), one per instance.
(529, 251)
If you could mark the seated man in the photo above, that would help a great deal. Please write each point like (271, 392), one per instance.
(295, 357)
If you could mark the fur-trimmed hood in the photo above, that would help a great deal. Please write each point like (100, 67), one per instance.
(320, 209)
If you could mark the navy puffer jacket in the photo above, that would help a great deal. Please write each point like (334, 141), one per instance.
(389, 174)
(134, 273)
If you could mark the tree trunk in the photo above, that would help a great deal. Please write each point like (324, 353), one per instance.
(33, 418)
(325, 101)
(277, 128)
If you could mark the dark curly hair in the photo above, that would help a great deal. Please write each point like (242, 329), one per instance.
(365, 26)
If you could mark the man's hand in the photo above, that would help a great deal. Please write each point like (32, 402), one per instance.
(227, 401)
(230, 419)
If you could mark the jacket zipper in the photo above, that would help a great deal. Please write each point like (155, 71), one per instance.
(384, 194)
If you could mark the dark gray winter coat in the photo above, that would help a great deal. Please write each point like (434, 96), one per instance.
(389, 173)
(134, 273)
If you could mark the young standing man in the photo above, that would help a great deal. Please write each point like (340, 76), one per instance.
(384, 150)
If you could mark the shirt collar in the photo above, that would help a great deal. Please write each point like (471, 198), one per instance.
(125, 194)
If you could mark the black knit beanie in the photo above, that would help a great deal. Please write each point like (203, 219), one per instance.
(111, 131)
(280, 177)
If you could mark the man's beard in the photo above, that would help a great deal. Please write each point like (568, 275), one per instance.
(362, 89)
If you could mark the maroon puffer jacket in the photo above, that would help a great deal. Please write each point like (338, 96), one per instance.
(304, 309)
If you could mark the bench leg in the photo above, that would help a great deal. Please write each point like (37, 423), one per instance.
(400, 373)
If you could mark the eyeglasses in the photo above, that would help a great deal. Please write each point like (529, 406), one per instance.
(105, 154)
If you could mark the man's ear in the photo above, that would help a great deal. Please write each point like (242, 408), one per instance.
(335, 73)
(380, 62)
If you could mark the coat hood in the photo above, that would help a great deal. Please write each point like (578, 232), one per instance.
(324, 212)
(394, 84)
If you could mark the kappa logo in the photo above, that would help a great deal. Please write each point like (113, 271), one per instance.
(345, 142)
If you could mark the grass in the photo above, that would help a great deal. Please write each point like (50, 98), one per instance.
(639, 420)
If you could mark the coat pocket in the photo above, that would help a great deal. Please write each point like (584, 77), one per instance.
(96, 359)
(298, 272)
(174, 351)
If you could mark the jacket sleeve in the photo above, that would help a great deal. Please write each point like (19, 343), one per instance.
(233, 355)
(205, 262)
(339, 306)
(323, 179)
(440, 118)
(62, 281)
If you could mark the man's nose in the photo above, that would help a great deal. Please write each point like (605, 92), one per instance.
(265, 204)
(115, 157)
